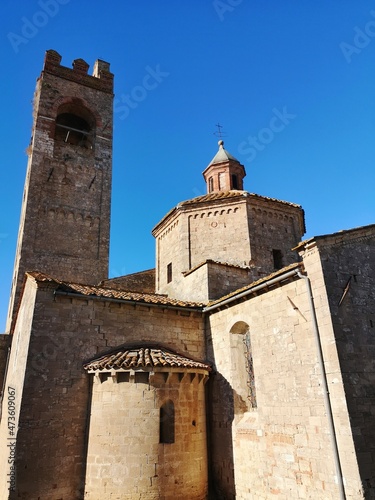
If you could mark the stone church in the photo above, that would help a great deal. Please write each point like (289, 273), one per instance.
(241, 367)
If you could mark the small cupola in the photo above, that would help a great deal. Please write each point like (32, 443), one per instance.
(224, 173)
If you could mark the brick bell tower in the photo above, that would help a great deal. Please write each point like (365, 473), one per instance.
(65, 217)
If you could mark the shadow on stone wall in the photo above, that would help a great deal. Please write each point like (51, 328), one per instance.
(220, 443)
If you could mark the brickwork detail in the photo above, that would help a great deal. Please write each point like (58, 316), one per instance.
(70, 176)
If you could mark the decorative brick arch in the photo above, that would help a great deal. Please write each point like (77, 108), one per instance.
(75, 103)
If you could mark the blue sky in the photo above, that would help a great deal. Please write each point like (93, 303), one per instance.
(291, 82)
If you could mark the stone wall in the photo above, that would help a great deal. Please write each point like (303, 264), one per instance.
(126, 458)
(348, 262)
(278, 444)
(13, 402)
(273, 225)
(66, 331)
(213, 280)
(240, 229)
(196, 233)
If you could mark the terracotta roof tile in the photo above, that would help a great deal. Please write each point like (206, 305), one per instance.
(233, 194)
(219, 195)
(139, 357)
(112, 293)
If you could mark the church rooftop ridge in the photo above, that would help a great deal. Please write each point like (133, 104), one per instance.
(218, 195)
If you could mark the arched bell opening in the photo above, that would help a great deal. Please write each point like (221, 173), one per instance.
(75, 125)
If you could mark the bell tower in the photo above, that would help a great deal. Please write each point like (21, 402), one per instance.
(65, 216)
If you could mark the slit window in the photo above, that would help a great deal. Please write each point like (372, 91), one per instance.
(210, 184)
(167, 422)
(234, 181)
(169, 272)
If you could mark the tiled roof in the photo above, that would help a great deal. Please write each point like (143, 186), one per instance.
(143, 282)
(140, 357)
(111, 293)
(220, 195)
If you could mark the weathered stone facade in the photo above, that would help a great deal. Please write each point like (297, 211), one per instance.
(132, 459)
(54, 397)
(248, 375)
(233, 227)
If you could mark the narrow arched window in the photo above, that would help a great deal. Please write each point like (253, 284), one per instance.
(169, 272)
(167, 423)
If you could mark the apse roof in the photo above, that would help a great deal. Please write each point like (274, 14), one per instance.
(140, 357)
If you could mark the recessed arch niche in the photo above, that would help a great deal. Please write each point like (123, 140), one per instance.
(242, 370)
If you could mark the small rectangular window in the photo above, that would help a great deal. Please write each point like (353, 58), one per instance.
(234, 181)
(167, 423)
(210, 184)
(169, 272)
(277, 259)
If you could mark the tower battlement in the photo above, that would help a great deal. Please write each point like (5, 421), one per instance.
(101, 79)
